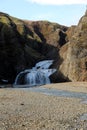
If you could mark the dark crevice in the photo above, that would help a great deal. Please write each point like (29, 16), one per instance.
(37, 31)
(62, 39)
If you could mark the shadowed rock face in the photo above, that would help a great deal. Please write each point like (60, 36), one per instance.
(50, 33)
(24, 43)
(74, 53)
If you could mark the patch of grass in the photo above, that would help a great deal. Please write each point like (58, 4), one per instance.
(4, 19)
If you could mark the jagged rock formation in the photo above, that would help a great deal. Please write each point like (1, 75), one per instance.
(70, 32)
(74, 53)
(50, 33)
(24, 43)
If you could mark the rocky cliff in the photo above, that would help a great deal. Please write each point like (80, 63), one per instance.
(74, 53)
(23, 43)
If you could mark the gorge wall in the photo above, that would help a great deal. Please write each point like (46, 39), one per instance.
(74, 53)
(24, 43)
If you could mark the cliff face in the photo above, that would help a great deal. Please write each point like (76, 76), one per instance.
(50, 33)
(74, 53)
(24, 43)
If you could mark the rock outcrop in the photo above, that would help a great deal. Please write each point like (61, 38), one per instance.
(74, 53)
(50, 33)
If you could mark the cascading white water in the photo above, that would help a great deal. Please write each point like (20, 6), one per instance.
(44, 64)
(38, 75)
(37, 78)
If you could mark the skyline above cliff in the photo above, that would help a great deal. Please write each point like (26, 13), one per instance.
(62, 12)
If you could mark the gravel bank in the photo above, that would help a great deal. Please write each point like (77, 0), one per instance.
(25, 110)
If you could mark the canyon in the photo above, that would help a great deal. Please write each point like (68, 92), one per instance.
(24, 43)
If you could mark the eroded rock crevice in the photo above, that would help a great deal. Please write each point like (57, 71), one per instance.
(24, 43)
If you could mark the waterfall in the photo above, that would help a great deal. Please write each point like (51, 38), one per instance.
(38, 75)
(44, 64)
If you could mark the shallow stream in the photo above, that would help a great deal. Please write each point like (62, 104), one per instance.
(57, 92)
(62, 93)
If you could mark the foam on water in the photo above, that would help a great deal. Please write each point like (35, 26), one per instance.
(38, 75)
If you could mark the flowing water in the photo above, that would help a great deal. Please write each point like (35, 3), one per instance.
(83, 117)
(57, 92)
(38, 75)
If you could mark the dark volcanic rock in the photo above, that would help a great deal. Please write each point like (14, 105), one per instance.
(24, 43)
